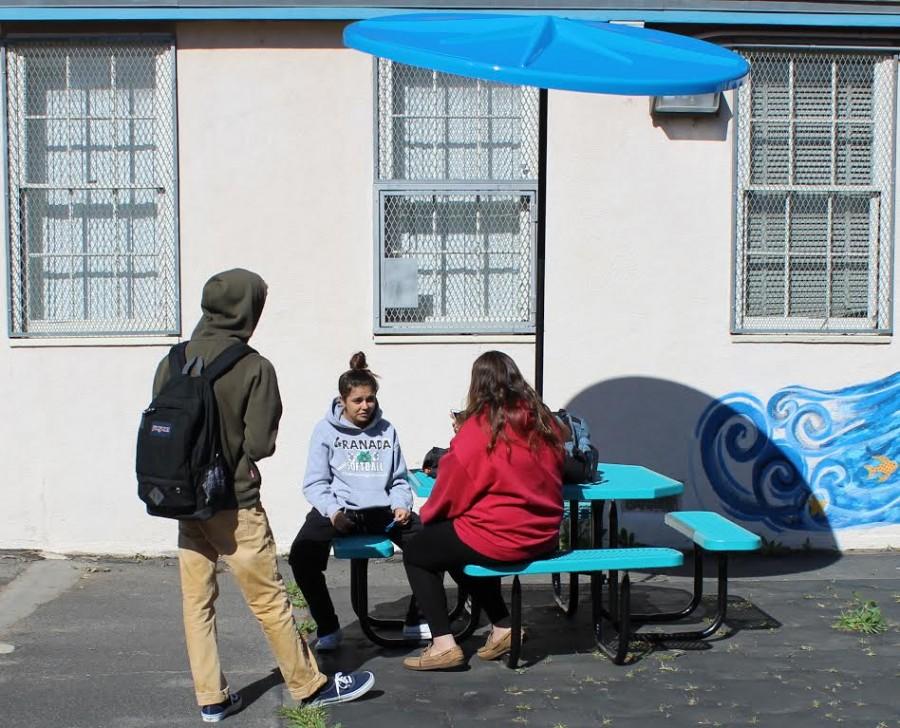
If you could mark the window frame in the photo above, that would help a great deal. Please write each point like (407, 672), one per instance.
(880, 254)
(87, 330)
(383, 188)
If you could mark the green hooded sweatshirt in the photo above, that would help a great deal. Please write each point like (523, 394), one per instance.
(248, 398)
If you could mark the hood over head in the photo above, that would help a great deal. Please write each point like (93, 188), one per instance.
(232, 304)
(337, 412)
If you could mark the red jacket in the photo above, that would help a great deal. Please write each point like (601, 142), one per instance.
(507, 504)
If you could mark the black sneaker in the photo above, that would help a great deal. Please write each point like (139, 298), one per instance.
(342, 688)
(220, 711)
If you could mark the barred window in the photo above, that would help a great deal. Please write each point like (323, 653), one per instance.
(815, 186)
(456, 185)
(92, 199)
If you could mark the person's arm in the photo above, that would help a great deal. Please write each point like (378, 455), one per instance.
(455, 490)
(399, 488)
(263, 413)
(318, 477)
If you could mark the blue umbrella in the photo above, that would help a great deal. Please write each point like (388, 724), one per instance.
(552, 52)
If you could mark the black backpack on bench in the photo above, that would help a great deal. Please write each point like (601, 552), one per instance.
(180, 469)
(581, 457)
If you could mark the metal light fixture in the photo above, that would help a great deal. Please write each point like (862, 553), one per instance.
(695, 104)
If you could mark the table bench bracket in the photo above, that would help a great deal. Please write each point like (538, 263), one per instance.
(691, 606)
(721, 606)
(618, 652)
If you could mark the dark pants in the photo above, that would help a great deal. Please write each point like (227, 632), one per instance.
(437, 549)
(309, 558)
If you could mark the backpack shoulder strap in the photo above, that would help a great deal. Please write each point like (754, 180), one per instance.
(226, 360)
(177, 359)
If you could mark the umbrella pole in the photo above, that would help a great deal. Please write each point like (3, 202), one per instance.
(541, 247)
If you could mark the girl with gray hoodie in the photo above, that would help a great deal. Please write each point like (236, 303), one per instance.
(356, 481)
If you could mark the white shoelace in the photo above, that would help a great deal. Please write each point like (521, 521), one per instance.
(342, 681)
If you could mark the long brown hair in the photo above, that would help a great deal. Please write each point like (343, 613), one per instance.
(499, 390)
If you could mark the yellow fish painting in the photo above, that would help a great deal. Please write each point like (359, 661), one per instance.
(817, 503)
(884, 470)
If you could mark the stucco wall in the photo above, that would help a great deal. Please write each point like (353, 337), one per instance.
(640, 223)
(275, 157)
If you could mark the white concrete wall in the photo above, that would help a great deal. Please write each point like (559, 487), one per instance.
(275, 152)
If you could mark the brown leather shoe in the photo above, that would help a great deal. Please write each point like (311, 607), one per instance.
(428, 660)
(494, 649)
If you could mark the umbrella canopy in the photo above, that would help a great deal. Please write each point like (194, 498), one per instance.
(552, 52)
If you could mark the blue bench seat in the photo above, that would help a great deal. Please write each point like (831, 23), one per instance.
(583, 561)
(363, 547)
(712, 531)
(586, 561)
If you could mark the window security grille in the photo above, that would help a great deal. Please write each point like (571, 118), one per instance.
(456, 182)
(468, 258)
(815, 175)
(92, 200)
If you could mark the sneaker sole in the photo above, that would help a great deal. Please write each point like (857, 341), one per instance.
(347, 697)
(416, 635)
(455, 666)
(230, 710)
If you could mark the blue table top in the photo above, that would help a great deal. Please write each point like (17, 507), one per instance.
(617, 482)
(421, 483)
(624, 482)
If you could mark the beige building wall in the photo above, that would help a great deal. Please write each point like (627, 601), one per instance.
(640, 221)
(275, 130)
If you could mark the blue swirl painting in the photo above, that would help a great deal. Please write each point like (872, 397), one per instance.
(807, 460)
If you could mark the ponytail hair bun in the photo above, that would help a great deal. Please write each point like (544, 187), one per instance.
(358, 362)
(358, 375)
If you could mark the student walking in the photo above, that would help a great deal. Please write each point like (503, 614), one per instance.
(249, 409)
(356, 481)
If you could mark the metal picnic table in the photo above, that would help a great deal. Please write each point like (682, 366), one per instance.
(616, 482)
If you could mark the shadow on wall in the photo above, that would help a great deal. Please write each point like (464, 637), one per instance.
(792, 470)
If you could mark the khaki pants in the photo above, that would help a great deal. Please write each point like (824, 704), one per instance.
(243, 538)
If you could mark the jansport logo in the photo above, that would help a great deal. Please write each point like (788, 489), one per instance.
(161, 429)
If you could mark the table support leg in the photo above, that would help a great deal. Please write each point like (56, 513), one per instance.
(515, 646)
(613, 575)
(570, 604)
(696, 597)
(597, 578)
(619, 652)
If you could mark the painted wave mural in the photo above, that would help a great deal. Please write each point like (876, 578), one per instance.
(807, 459)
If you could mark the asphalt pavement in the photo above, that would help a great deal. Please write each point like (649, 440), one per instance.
(93, 642)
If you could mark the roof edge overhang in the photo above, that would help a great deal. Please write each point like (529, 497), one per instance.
(877, 15)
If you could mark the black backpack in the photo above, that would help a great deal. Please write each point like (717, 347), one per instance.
(180, 469)
(581, 458)
(432, 459)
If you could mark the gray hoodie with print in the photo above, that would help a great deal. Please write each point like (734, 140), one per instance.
(352, 468)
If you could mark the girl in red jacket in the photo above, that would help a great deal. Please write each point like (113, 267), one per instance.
(497, 498)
